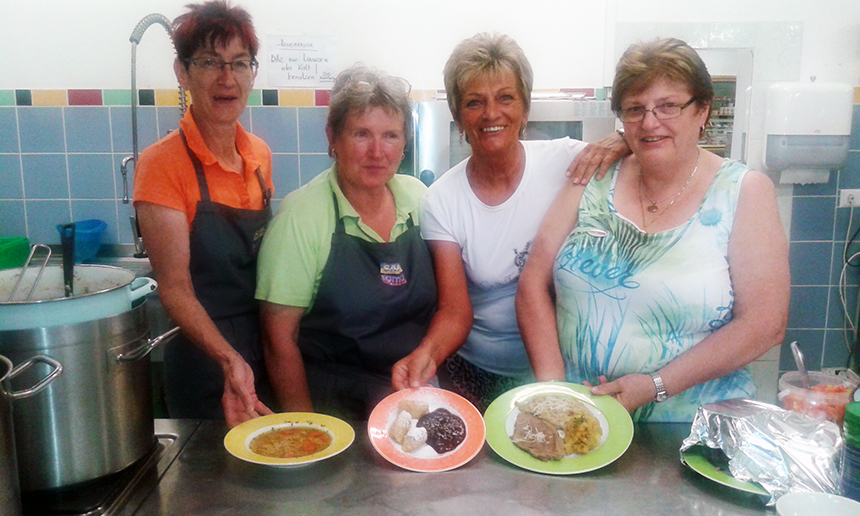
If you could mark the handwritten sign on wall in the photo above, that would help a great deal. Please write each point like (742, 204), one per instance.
(301, 61)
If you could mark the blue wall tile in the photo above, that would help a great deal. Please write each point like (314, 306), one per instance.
(8, 130)
(810, 262)
(102, 210)
(42, 220)
(88, 129)
(285, 174)
(91, 176)
(849, 176)
(828, 188)
(168, 120)
(124, 211)
(812, 218)
(854, 141)
(12, 215)
(147, 128)
(852, 272)
(312, 136)
(45, 176)
(41, 129)
(811, 343)
(276, 126)
(835, 352)
(11, 183)
(808, 307)
(311, 165)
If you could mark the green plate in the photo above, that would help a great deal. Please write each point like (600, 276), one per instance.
(701, 465)
(614, 420)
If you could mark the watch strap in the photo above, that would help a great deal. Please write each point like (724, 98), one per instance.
(661, 389)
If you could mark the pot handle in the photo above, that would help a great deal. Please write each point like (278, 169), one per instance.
(147, 347)
(26, 393)
(141, 287)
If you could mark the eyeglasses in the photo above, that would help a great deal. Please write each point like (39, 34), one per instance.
(214, 66)
(661, 112)
(365, 81)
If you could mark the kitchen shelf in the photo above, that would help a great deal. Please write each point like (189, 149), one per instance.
(717, 136)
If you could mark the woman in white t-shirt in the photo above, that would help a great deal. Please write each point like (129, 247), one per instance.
(481, 216)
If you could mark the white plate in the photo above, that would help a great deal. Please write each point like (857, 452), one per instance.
(816, 504)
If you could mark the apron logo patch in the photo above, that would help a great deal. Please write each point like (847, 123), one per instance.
(392, 274)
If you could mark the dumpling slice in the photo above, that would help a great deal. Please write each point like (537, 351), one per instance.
(415, 437)
(400, 427)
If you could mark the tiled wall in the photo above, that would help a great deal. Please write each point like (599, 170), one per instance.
(61, 151)
(818, 236)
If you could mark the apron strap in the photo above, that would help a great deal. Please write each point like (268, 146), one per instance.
(204, 186)
(267, 192)
(198, 169)
(338, 223)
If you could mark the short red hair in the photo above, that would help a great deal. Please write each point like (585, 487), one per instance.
(209, 24)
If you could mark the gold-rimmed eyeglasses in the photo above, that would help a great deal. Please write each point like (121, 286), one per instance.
(214, 66)
(661, 112)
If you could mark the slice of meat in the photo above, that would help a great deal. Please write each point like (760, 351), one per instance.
(537, 437)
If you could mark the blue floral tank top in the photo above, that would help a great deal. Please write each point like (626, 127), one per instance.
(630, 302)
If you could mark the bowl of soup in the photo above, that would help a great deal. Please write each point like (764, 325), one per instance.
(289, 439)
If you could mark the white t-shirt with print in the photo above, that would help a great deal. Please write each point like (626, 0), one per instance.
(494, 243)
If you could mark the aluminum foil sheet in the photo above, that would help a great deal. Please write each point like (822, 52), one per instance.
(783, 451)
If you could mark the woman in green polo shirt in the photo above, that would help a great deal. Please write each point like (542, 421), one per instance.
(345, 280)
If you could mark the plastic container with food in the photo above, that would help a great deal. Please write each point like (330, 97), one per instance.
(825, 399)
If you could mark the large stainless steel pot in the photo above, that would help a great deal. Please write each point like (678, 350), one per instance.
(10, 495)
(96, 418)
(38, 299)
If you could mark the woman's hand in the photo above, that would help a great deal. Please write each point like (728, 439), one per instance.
(596, 158)
(450, 324)
(240, 400)
(414, 370)
(632, 391)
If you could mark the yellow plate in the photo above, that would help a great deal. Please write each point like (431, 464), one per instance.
(238, 440)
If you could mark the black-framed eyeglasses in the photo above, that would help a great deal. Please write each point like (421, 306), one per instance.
(661, 112)
(214, 65)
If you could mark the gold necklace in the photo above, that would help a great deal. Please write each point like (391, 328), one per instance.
(652, 208)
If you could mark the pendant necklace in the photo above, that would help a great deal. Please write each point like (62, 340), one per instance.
(652, 208)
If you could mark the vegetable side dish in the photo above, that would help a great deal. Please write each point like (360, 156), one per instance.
(831, 405)
(291, 442)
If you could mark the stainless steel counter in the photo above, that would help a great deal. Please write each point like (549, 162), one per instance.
(647, 480)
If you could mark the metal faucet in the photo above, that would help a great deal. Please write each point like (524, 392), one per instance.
(136, 35)
(124, 171)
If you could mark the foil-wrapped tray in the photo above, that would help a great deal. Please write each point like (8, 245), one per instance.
(782, 451)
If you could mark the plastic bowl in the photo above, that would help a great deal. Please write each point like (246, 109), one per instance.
(13, 252)
(88, 238)
(816, 504)
(827, 398)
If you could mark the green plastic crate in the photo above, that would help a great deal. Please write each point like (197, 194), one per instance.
(13, 252)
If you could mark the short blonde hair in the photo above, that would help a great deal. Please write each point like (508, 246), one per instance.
(481, 54)
(642, 64)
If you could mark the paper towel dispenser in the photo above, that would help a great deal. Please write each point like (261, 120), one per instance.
(807, 127)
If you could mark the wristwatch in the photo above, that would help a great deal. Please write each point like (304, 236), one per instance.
(661, 389)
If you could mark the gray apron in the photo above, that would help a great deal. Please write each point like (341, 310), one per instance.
(374, 305)
(224, 242)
